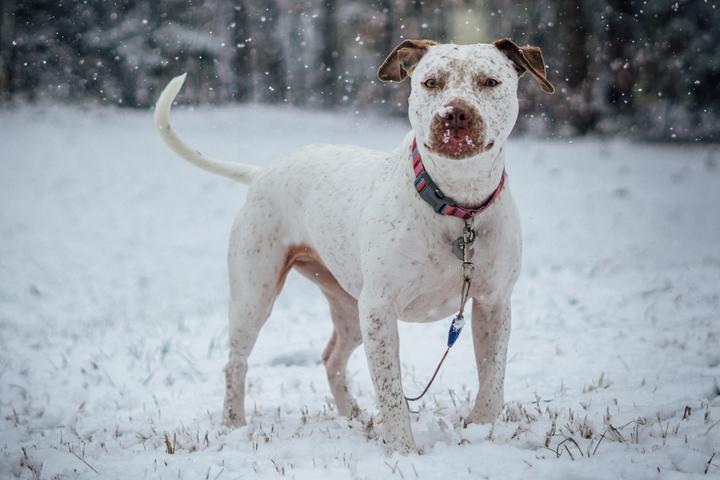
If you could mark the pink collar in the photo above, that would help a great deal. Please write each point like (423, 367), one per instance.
(442, 204)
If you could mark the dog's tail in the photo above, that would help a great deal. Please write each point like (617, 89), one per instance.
(236, 171)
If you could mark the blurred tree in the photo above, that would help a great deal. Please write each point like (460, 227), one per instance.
(646, 68)
(385, 39)
(297, 46)
(329, 54)
(569, 53)
(7, 52)
(619, 49)
(241, 62)
(269, 54)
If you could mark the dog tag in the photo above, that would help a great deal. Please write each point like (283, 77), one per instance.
(458, 246)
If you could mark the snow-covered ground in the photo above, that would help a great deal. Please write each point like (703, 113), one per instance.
(113, 325)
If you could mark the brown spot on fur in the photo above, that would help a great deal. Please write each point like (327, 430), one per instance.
(309, 264)
(526, 59)
(403, 59)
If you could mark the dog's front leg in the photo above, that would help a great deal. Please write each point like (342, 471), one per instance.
(491, 332)
(380, 336)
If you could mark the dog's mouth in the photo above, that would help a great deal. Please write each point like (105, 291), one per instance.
(457, 143)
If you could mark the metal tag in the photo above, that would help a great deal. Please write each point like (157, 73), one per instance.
(458, 247)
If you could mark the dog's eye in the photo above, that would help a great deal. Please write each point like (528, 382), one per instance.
(491, 82)
(430, 83)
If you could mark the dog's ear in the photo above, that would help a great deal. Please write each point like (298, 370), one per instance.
(526, 59)
(403, 59)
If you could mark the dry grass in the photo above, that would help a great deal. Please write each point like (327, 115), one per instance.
(601, 383)
(169, 447)
(565, 433)
(34, 467)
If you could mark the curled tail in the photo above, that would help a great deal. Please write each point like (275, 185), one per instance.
(236, 171)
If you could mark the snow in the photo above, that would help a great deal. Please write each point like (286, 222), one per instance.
(444, 111)
(112, 313)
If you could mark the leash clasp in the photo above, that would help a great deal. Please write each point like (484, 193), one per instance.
(468, 232)
(467, 269)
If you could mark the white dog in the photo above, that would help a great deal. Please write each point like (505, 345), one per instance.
(386, 236)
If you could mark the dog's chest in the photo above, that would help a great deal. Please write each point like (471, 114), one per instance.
(435, 292)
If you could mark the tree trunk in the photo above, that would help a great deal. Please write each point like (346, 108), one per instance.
(570, 41)
(574, 58)
(619, 35)
(7, 50)
(296, 56)
(241, 62)
(329, 54)
(269, 58)
(385, 42)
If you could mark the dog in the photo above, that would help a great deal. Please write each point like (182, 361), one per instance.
(375, 230)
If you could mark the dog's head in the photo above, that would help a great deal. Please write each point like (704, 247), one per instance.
(463, 100)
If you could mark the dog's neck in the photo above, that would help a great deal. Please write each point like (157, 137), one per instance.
(470, 181)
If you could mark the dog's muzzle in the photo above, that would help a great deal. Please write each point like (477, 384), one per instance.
(457, 131)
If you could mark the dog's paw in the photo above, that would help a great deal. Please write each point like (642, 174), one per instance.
(481, 416)
(401, 446)
(399, 440)
(352, 411)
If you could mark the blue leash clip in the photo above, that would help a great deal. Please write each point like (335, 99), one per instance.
(455, 328)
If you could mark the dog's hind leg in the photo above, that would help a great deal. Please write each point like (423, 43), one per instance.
(345, 339)
(329, 347)
(346, 336)
(256, 264)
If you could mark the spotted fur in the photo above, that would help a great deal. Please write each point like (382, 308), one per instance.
(377, 251)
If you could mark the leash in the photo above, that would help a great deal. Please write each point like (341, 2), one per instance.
(444, 205)
(462, 246)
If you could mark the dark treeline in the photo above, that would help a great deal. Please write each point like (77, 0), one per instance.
(649, 69)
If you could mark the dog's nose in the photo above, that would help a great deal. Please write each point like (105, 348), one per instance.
(457, 116)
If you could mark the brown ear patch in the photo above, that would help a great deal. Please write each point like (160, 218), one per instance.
(526, 59)
(403, 59)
